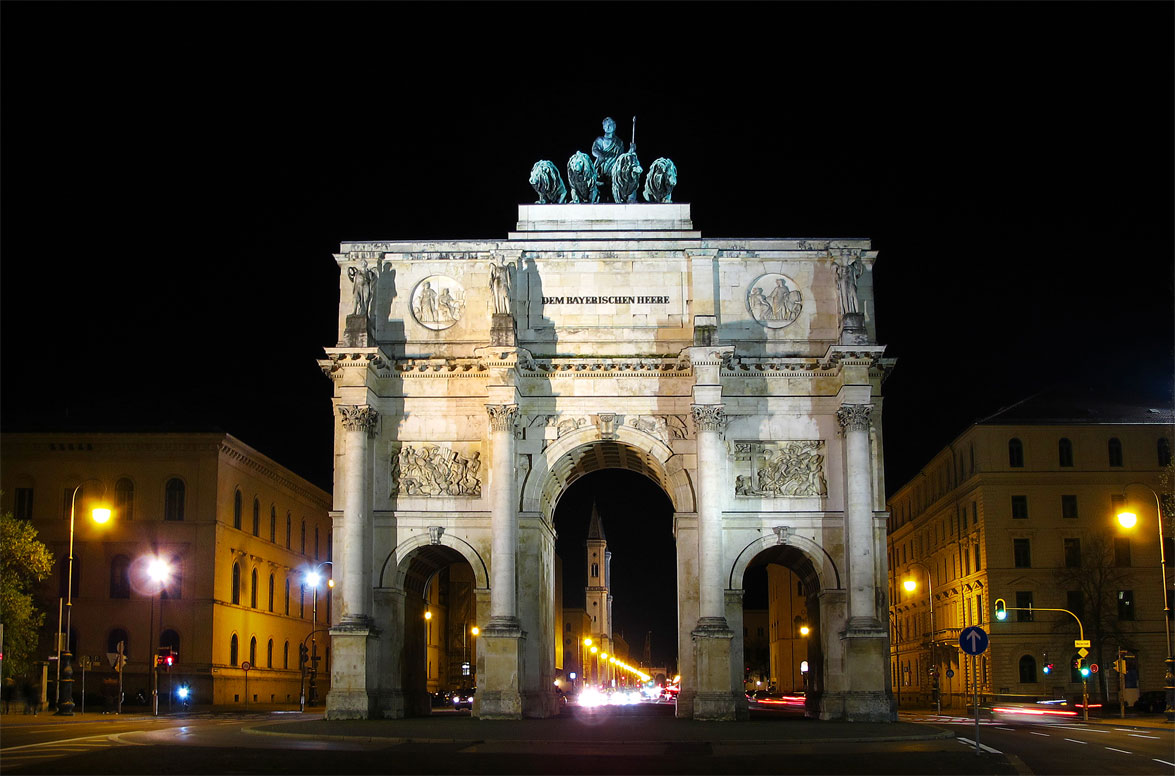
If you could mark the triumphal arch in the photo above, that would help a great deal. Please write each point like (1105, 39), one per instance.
(475, 380)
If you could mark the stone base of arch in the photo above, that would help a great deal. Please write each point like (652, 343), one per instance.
(504, 660)
(714, 699)
(354, 668)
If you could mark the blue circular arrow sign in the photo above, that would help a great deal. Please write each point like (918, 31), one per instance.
(973, 640)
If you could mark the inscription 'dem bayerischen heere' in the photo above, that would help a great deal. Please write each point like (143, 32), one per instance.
(605, 300)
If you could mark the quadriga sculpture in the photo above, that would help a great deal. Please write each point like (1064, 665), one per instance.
(626, 176)
(660, 181)
(581, 176)
(544, 177)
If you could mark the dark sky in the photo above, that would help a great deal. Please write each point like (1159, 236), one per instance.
(177, 175)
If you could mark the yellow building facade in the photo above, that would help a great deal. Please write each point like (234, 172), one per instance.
(238, 532)
(1021, 507)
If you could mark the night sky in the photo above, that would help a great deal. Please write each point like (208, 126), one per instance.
(176, 177)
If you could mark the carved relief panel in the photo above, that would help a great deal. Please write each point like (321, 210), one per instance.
(436, 470)
(791, 469)
(438, 302)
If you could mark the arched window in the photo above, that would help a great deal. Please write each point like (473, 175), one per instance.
(287, 596)
(170, 638)
(232, 650)
(272, 523)
(286, 655)
(1164, 451)
(120, 577)
(256, 517)
(303, 550)
(236, 584)
(316, 542)
(288, 530)
(237, 510)
(269, 655)
(117, 635)
(271, 592)
(173, 502)
(1027, 669)
(1115, 452)
(253, 651)
(124, 500)
(302, 601)
(1065, 452)
(253, 588)
(1015, 453)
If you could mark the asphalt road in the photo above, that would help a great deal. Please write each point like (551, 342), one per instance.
(1070, 748)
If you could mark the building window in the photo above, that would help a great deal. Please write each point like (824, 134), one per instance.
(253, 588)
(23, 506)
(117, 635)
(1164, 452)
(287, 597)
(170, 638)
(974, 513)
(236, 596)
(1115, 450)
(253, 651)
(173, 504)
(1072, 553)
(1020, 507)
(1125, 604)
(272, 524)
(1015, 453)
(316, 542)
(1024, 605)
(1022, 553)
(1121, 551)
(595, 569)
(978, 610)
(1065, 452)
(237, 510)
(232, 650)
(120, 577)
(1027, 669)
(256, 517)
(269, 654)
(286, 655)
(1075, 602)
(288, 530)
(124, 500)
(302, 601)
(977, 564)
(1069, 507)
(303, 535)
(271, 592)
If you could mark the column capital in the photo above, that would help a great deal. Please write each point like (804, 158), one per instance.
(359, 417)
(854, 417)
(502, 416)
(708, 417)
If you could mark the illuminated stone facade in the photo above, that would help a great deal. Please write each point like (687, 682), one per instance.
(740, 375)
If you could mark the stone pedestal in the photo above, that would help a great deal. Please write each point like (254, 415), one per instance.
(852, 330)
(502, 664)
(866, 664)
(502, 332)
(714, 699)
(354, 669)
(357, 333)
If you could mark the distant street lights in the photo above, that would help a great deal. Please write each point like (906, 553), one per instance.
(312, 579)
(65, 661)
(1127, 520)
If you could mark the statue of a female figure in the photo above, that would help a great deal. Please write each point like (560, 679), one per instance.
(500, 288)
(846, 285)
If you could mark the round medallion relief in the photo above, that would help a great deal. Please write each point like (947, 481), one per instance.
(438, 302)
(774, 300)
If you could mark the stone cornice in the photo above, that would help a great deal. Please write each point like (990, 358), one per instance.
(237, 455)
(340, 358)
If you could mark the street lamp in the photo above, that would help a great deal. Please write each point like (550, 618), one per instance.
(1128, 520)
(587, 642)
(159, 572)
(65, 659)
(911, 585)
(313, 577)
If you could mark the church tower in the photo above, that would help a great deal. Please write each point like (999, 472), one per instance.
(597, 598)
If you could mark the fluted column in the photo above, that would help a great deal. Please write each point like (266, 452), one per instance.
(504, 520)
(360, 423)
(854, 421)
(709, 422)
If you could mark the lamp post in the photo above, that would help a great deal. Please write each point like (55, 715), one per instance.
(1128, 520)
(159, 571)
(583, 671)
(911, 585)
(312, 579)
(65, 659)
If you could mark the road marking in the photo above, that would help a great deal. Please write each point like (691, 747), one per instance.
(1140, 735)
(1084, 729)
(8, 749)
(1074, 740)
(1164, 762)
(1003, 728)
(1033, 732)
(1123, 751)
(984, 747)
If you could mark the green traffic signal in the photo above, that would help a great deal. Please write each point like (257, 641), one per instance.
(1001, 612)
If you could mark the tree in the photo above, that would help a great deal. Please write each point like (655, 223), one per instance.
(1099, 580)
(24, 561)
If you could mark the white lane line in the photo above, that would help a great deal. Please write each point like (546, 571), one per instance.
(1074, 740)
(8, 749)
(1033, 732)
(1084, 729)
(984, 747)
(1123, 751)
(1003, 728)
(1164, 762)
(1124, 730)
(1140, 735)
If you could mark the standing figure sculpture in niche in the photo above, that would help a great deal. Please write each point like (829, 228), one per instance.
(363, 280)
(846, 285)
(500, 288)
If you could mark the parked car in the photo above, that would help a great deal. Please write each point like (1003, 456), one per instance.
(1151, 702)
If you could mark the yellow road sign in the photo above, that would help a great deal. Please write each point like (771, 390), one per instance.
(1081, 643)
(1083, 652)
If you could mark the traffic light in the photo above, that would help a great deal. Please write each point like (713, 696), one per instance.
(303, 654)
(1120, 666)
(1048, 668)
(1001, 612)
(164, 658)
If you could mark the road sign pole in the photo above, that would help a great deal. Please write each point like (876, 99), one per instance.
(975, 686)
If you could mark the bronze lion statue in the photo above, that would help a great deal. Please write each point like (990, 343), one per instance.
(544, 177)
(581, 176)
(660, 181)
(626, 176)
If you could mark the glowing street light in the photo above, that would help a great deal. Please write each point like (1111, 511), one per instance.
(159, 572)
(312, 578)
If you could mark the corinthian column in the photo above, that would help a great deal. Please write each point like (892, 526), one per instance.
(854, 420)
(503, 520)
(359, 422)
(709, 422)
